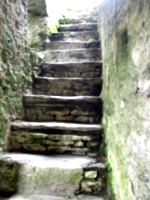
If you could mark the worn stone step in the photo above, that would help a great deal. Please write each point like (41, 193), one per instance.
(39, 197)
(81, 128)
(55, 141)
(48, 175)
(48, 197)
(72, 69)
(78, 27)
(88, 197)
(77, 20)
(81, 109)
(61, 45)
(83, 36)
(77, 55)
(67, 86)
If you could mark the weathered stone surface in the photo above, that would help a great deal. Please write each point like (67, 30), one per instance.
(91, 186)
(88, 197)
(15, 69)
(41, 197)
(78, 27)
(50, 108)
(126, 92)
(72, 70)
(61, 45)
(37, 32)
(77, 20)
(49, 175)
(67, 86)
(75, 36)
(55, 125)
(9, 174)
(55, 141)
(91, 174)
(77, 55)
(37, 7)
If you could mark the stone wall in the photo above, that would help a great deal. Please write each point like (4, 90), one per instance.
(125, 37)
(37, 24)
(15, 70)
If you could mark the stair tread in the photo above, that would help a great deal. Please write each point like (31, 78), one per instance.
(78, 50)
(69, 79)
(55, 125)
(38, 98)
(39, 197)
(78, 27)
(72, 63)
(74, 36)
(50, 161)
(48, 197)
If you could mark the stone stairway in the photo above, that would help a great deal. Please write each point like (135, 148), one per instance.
(58, 140)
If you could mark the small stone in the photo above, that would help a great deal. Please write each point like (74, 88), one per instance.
(90, 174)
(34, 147)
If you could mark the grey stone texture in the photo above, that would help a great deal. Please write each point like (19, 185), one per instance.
(125, 37)
(17, 125)
(78, 27)
(76, 55)
(9, 175)
(67, 86)
(53, 140)
(72, 69)
(73, 36)
(47, 131)
(49, 175)
(82, 109)
(15, 69)
(37, 24)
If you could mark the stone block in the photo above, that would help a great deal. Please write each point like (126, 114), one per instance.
(91, 174)
(9, 175)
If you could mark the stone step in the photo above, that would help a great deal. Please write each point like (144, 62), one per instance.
(24, 125)
(81, 109)
(83, 36)
(78, 20)
(78, 27)
(77, 55)
(72, 69)
(55, 141)
(48, 197)
(41, 197)
(67, 86)
(48, 175)
(61, 45)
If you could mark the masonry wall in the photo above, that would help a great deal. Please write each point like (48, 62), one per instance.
(125, 33)
(15, 70)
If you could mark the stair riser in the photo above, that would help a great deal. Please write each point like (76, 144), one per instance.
(55, 141)
(73, 56)
(78, 27)
(49, 181)
(67, 87)
(84, 36)
(69, 46)
(62, 113)
(72, 71)
(82, 19)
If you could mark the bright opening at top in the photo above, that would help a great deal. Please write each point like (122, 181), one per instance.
(57, 8)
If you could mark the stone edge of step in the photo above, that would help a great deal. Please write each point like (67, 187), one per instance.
(55, 125)
(73, 50)
(28, 98)
(67, 79)
(71, 63)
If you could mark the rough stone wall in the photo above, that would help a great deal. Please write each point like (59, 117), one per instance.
(125, 37)
(37, 24)
(15, 70)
